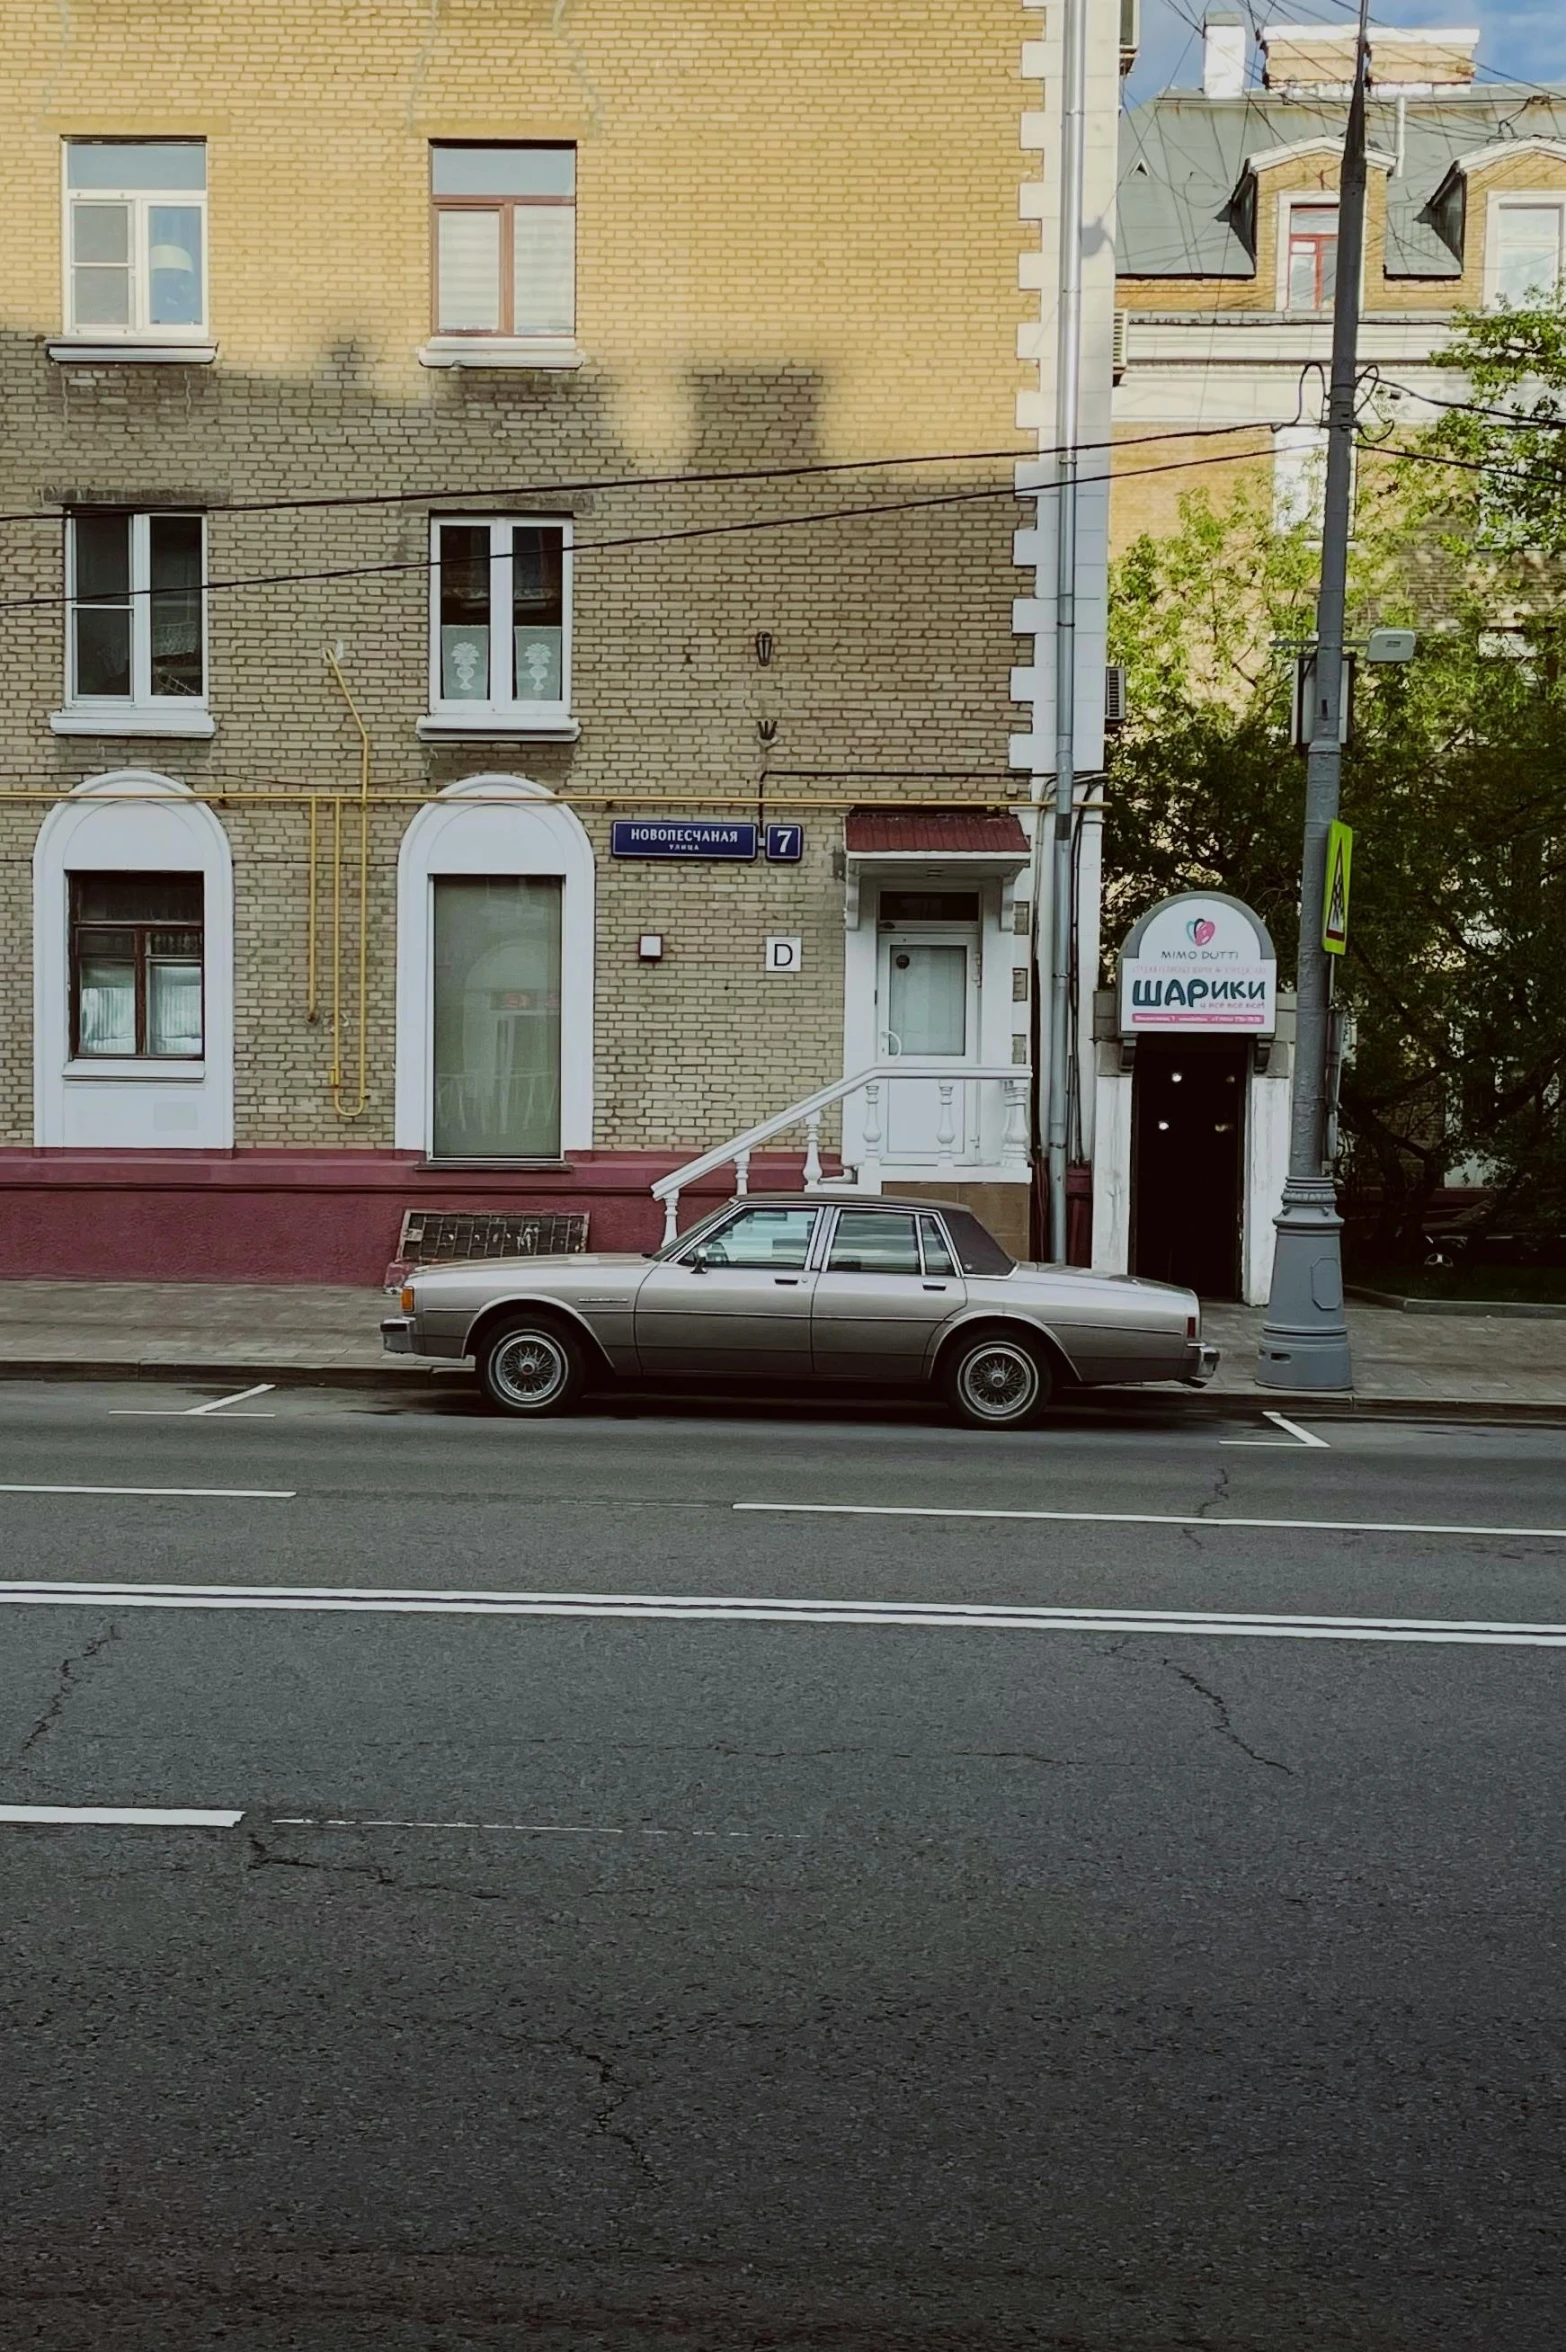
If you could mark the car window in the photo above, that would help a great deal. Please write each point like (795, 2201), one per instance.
(870, 1241)
(937, 1257)
(978, 1252)
(763, 1238)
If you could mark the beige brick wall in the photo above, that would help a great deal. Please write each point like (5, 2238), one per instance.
(798, 242)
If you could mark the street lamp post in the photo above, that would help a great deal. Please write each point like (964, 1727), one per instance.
(1304, 1340)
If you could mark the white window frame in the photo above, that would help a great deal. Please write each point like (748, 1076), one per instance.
(1517, 200)
(140, 330)
(141, 712)
(501, 716)
(1301, 200)
(132, 820)
(502, 825)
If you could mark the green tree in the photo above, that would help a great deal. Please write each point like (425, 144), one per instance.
(1456, 784)
(1498, 455)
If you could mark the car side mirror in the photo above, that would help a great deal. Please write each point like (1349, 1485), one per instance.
(697, 1261)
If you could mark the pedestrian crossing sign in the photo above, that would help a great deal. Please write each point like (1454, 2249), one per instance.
(1335, 900)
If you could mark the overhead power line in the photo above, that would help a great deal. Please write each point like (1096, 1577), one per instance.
(706, 530)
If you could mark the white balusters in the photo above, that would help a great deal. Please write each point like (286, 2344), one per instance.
(741, 1174)
(1014, 1143)
(671, 1217)
(870, 1163)
(812, 1147)
(946, 1128)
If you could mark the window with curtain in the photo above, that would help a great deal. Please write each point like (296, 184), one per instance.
(136, 236)
(496, 1017)
(136, 966)
(500, 596)
(1528, 253)
(1313, 256)
(134, 584)
(505, 239)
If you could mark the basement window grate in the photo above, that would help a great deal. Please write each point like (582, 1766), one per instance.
(434, 1237)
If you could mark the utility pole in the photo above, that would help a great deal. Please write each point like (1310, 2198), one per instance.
(1304, 1341)
(1068, 384)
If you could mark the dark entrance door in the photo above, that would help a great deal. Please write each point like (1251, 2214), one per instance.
(1188, 1125)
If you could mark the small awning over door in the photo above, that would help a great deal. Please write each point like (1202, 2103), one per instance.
(956, 844)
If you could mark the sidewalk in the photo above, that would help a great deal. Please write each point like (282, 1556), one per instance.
(1425, 1364)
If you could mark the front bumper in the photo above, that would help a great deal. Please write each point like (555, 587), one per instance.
(397, 1335)
(1201, 1362)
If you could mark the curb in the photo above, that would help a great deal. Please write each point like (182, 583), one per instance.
(1189, 1404)
(1539, 1310)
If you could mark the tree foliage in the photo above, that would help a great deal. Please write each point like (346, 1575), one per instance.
(1455, 782)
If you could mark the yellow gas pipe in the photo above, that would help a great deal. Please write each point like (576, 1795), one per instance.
(357, 1112)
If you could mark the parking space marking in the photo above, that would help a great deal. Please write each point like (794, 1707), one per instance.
(116, 1817)
(1305, 1437)
(196, 1412)
(916, 1616)
(1147, 1519)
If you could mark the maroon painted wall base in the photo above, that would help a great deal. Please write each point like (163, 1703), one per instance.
(305, 1216)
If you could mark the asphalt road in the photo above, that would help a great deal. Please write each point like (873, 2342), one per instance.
(1098, 1889)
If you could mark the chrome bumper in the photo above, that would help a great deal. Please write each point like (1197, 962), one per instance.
(397, 1335)
(1201, 1362)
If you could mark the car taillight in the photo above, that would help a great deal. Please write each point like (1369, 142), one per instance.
(405, 1298)
(1193, 1322)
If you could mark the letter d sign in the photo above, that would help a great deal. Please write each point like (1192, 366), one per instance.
(785, 955)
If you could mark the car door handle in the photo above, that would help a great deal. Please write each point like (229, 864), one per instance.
(786, 1281)
(935, 1286)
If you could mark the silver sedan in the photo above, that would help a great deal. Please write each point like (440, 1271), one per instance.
(806, 1289)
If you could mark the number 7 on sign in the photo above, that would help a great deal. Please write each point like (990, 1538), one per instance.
(785, 844)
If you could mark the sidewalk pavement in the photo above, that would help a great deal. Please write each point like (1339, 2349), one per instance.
(1466, 1366)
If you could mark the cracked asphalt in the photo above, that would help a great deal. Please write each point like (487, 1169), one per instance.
(659, 1986)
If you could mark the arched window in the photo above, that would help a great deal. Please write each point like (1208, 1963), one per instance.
(495, 952)
(133, 969)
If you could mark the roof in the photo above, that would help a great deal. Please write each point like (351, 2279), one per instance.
(930, 832)
(1182, 158)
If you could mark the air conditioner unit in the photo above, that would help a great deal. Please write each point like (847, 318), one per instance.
(1130, 32)
(1115, 694)
(1117, 346)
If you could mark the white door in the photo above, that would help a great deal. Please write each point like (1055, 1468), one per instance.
(928, 1004)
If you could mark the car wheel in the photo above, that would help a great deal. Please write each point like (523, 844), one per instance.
(997, 1381)
(531, 1367)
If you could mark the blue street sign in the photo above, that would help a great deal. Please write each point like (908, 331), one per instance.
(785, 844)
(681, 837)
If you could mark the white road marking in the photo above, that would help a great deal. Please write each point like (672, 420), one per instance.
(928, 1616)
(519, 1828)
(1150, 1519)
(243, 1494)
(1306, 1437)
(119, 1816)
(195, 1412)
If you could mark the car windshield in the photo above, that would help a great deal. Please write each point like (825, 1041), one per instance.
(682, 1241)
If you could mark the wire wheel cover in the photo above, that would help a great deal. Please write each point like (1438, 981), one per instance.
(529, 1367)
(999, 1380)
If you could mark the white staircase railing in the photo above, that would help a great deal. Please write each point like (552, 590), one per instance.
(1012, 1079)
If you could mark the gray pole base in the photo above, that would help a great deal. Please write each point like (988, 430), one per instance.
(1305, 1341)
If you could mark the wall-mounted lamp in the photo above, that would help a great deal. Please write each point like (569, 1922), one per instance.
(764, 648)
(650, 947)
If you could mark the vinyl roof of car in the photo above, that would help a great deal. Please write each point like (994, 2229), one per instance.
(826, 1200)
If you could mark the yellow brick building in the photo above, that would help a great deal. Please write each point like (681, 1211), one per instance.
(437, 435)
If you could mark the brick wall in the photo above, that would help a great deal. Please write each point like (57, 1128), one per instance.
(798, 243)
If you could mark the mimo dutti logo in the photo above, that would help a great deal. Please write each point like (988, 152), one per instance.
(1201, 931)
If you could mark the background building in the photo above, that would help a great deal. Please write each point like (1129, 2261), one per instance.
(426, 458)
(1227, 228)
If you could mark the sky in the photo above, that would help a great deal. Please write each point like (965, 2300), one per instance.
(1525, 39)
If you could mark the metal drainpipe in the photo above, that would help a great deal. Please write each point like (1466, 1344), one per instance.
(1067, 405)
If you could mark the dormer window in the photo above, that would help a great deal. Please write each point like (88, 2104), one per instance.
(1311, 257)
